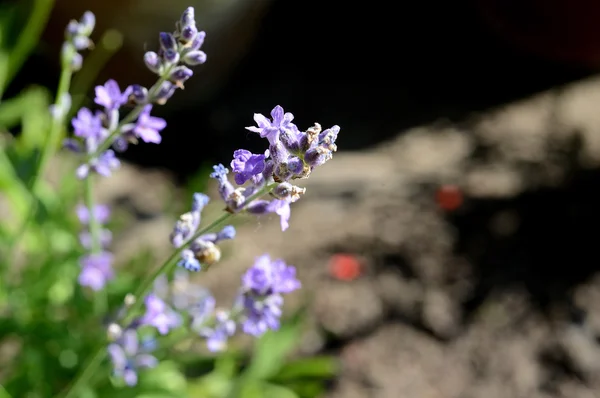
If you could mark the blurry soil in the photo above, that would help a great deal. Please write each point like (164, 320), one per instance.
(478, 246)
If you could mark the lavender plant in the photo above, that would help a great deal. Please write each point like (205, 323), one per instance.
(167, 300)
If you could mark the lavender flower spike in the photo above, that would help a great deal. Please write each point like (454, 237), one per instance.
(261, 295)
(96, 270)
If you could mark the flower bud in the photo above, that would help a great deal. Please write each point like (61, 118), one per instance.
(193, 58)
(167, 41)
(171, 56)
(166, 91)
(114, 332)
(188, 18)
(139, 94)
(198, 41)
(152, 61)
(129, 300)
(87, 23)
(180, 74)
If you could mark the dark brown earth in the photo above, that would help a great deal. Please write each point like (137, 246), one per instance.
(499, 298)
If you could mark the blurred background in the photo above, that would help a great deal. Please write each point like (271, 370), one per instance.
(449, 249)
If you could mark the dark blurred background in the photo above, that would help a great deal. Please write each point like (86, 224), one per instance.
(375, 68)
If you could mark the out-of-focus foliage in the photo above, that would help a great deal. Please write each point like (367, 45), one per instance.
(49, 325)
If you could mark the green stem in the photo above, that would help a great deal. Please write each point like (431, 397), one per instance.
(100, 298)
(142, 291)
(145, 288)
(90, 204)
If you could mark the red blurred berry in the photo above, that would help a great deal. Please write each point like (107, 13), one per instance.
(344, 267)
(449, 197)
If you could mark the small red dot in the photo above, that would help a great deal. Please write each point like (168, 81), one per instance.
(449, 197)
(344, 267)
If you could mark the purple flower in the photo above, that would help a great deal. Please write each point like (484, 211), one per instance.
(88, 125)
(281, 207)
(96, 270)
(101, 214)
(160, 315)
(217, 335)
(147, 127)
(128, 356)
(103, 165)
(245, 165)
(281, 123)
(261, 295)
(110, 95)
(261, 315)
(267, 277)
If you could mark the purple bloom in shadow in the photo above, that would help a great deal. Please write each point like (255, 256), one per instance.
(96, 270)
(110, 96)
(128, 355)
(245, 165)
(260, 316)
(147, 127)
(160, 315)
(217, 335)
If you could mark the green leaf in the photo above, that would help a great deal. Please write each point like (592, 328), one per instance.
(322, 367)
(213, 385)
(13, 189)
(277, 391)
(21, 28)
(272, 349)
(307, 388)
(166, 377)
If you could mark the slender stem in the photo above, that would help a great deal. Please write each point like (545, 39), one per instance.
(90, 204)
(100, 298)
(145, 288)
(40, 165)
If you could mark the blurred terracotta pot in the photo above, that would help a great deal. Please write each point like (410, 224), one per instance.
(567, 31)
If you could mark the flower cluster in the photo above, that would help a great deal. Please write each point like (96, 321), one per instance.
(292, 154)
(262, 184)
(257, 308)
(261, 297)
(77, 38)
(128, 354)
(96, 267)
(95, 132)
(101, 214)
